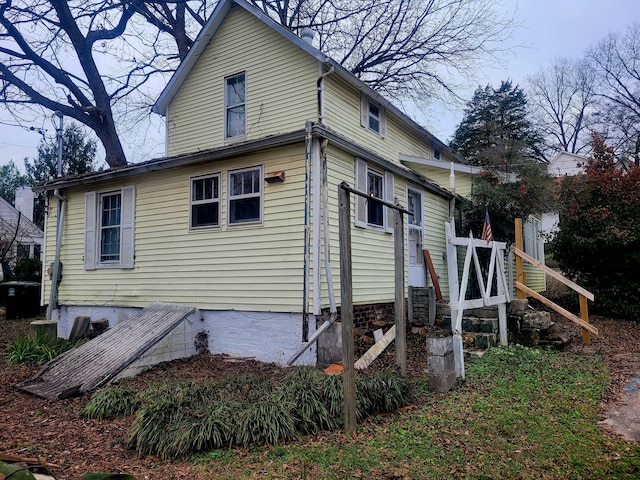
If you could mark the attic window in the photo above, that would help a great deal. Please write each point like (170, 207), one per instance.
(436, 154)
(373, 116)
(235, 106)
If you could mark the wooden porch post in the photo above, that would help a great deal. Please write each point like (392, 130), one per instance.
(584, 314)
(346, 310)
(401, 324)
(519, 269)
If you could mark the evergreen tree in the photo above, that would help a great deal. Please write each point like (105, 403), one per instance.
(496, 131)
(10, 179)
(497, 135)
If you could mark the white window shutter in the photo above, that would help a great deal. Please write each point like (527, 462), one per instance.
(389, 194)
(361, 186)
(364, 110)
(90, 209)
(127, 251)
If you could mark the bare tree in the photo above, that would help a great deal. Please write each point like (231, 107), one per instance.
(616, 62)
(563, 98)
(91, 60)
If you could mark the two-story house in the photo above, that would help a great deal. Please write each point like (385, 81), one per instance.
(259, 124)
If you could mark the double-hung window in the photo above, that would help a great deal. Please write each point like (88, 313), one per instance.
(109, 229)
(234, 106)
(245, 196)
(378, 185)
(373, 116)
(205, 201)
(110, 224)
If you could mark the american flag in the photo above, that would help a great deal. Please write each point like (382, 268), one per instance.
(486, 228)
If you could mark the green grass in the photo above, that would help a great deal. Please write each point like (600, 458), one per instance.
(521, 413)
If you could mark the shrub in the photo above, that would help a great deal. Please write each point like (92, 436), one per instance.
(35, 351)
(599, 238)
(111, 402)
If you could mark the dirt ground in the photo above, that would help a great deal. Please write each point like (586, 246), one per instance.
(54, 431)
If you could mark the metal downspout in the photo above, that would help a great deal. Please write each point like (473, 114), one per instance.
(307, 232)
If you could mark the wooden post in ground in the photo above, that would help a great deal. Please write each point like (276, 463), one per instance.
(519, 268)
(401, 324)
(346, 310)
(584, 314)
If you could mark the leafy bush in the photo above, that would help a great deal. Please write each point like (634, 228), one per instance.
(28, 269)
(37, 350)
(599, 238)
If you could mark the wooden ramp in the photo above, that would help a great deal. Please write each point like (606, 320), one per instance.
(99, 360)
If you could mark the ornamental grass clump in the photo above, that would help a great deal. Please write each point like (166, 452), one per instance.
(35, 351)
(175, 419)
(115, 401)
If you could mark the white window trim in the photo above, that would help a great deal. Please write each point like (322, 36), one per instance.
(93, 226)
(361, 170)
(202, 202)
(228, 138)
(230, 197)
(532, 238)
(365, 101)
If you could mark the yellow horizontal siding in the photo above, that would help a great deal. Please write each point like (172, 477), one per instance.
(342, 113)
(255, 267)
(280, 86)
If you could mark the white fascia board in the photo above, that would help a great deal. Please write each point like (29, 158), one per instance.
(432, 162)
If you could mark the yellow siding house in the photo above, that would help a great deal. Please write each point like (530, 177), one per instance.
(240, 218)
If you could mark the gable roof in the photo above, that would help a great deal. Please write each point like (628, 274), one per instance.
(213, 24)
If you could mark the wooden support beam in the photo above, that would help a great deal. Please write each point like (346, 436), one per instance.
(584, 314)
(552, 273)
(376, 349)
(401, 322)
(346, 309)
(432, 273)
(519, 268)
(557, 308)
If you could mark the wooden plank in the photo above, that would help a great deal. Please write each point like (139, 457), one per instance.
(376, 349)
(96, 362)
(432, 274)
(432, 306)
(557, 308)
(584, 314)
(554, 274)
(401, 323)
(346, 309)
(410, 307)
(519, 270)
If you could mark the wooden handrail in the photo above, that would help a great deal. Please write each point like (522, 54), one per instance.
(554, 274)
(557, 308)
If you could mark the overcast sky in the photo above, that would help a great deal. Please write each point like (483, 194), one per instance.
(550, 28)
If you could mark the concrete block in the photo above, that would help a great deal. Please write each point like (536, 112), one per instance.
(442, 382)
(517, 307)
(540, 320)
(439, 345)
(491, 311)
(486, 340)
(41, 328)
(439, 365)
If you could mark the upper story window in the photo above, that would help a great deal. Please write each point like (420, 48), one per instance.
(245, 196)
(373, 116)
(436, 154)
(205, 201)
(234, 106)
(109, 229)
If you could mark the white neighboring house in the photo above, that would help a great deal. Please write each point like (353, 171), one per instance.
(19, 236)
(562, 164)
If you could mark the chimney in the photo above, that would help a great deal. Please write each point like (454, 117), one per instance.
(24, 201)
(307, 35)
